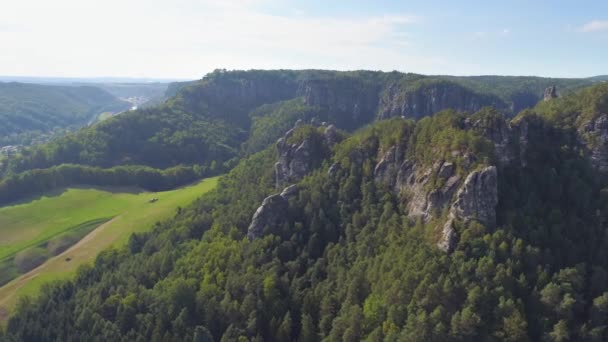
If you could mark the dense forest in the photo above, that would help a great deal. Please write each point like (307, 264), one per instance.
(461, 226)
(229, 115)
(28, 110)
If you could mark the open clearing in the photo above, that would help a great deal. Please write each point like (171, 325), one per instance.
(29, 224)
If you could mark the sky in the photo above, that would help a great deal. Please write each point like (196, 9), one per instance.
(185, 39)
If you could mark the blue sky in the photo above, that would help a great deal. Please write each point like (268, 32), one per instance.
(187, 38)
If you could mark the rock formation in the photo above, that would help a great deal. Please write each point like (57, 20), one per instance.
(550, 93)
(475, 198)
(478, 197)
(349, 101)
(411, 181)
(497, 130)
(594, 134)
(298, 159)
(294, 161)
(272, 212)
(431, 98)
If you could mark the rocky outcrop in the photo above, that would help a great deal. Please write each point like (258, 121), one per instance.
(294, 161)
(289, 191)
(475, 198)
(298, 159)
(448, 239)
(227, 91)
(497, 130)
(331, 135)
(423, 200)
(550, 93)
(478, 197)
(411, 182)
(431, 98)
(523, 132)
(349, 102)
(272, 212)
(594, 134)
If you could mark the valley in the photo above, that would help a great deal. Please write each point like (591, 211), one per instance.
(113, 214)
(353, 205)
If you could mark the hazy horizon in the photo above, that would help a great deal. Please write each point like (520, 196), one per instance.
(186, 39)
(143, 79)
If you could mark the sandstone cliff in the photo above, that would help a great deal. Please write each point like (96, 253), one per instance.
(429, 98)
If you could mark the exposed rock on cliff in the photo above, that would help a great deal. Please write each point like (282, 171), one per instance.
(550, 93)
(331, 135)
(296, 159)
(272, 212)
(494, 127)
(475, 200)
(595, 136)
(430, 98)
(429, 191)
(411, 182)
(478, 197)
(247, 92)
(448, 239)
(347, 101)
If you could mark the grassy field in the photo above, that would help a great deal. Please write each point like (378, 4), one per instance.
(33, 223)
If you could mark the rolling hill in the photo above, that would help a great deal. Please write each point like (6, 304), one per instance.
(470, 224)
(28, 110)
(108, 215)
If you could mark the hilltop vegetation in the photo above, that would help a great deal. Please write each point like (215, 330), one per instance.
(210, 119)
(27, 110)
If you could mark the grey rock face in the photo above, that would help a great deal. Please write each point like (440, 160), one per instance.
(550, 93)
(422, 202)
(271, 213)
(295, 161)
(248, 92)
(386, 170)
(331, 135)
(475, 200)
(349, 100)
(478, 197)
(289, 191)
(447, 241)
(430, 99)
(595, 136)
(499, 132)
(410, 182)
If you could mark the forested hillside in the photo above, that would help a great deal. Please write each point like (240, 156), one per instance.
(461, 226)
(209, 119)
(27, 110)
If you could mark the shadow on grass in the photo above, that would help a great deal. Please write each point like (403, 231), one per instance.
(59, 191)
(9, 268)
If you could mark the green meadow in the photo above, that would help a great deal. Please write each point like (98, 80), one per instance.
(99, 217)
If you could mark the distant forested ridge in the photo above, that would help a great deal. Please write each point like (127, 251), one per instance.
(471, 224)
(231, 114)
(27, 110)
(210, 119)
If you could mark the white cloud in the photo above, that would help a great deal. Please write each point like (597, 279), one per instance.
(594, 26)
(186, 38)
(479, 35)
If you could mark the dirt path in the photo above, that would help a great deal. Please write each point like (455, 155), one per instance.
(8, 291)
